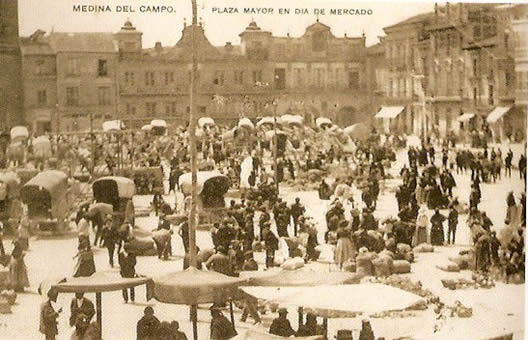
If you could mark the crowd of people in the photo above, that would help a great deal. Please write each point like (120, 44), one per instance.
(349, 181)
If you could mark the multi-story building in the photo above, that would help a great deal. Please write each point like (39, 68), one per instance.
(39, 80)
(10, 79)
(316, 74)
(455, 68)
(407, 62)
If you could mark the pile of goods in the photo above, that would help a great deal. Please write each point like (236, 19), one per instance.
(478, 280)
(7, 299)
(383, 264)
(423, 248)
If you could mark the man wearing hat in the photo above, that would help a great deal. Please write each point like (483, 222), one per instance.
(81, 305)
(148, 326)
(48, 316)
(220, 262)
(344, 334)
(221, 327)
(281, 326)
(271, 244)
(127, 262)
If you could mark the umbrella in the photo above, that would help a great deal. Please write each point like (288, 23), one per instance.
(296, 278)
(19, 133)
(266, 120)
(192, 287)
(251, 334)
(147, 127)
(323, 122)
(358, 131)
(340, 301)
(158, 123)
(98, 283)
(245, 122)
(205, 121)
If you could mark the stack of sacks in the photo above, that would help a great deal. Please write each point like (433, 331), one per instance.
(364, 262)
(142, 246)
(382, 265)
(350, 266)
(293, 264)
(404, 252)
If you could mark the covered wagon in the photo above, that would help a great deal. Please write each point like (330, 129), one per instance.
(117, 191)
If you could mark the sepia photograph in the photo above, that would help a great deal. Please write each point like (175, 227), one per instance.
(262, 169)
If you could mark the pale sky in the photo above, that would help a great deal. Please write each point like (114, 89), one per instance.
(59, 15)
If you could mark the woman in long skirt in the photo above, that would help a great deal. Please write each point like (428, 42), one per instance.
(345, 248)
(85, 265)
(18, 276)
(420, 235)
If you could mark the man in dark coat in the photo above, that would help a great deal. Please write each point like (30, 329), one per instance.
(452, 221)
(81, 305)
(48, 316)
(281, 326)
(271, 243)
(296, 210)
(148, 325)
(127, 262)
(437, 228)
(219, 262)
(221, 327)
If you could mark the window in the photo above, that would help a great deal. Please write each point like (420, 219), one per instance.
(129, 78)
(130, 110)
(475, 67)
(149, 79)
(257, 76)
(39, 67)
(299, 76)
(218, 78)
(508, 79)
(42, 98)
(72, 96)
(170, 108)
(281, 50)
(239, 77)
(490, 95)
(102, 68)
(202, 109)
(319, 42)
(103, 96)
(353, 80)
(280, 78)
(169, 78)
(150, 108)
(72, 67)
(475, 96)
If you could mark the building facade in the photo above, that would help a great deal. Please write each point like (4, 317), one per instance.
(10, 61)
(316, 74)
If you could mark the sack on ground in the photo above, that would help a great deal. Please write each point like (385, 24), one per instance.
(424, 248)
(449, 267)
(401, 267)
(382, 265)
(403, 248)
(364, 264)
(349, 266)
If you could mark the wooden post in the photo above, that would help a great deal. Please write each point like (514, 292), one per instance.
(301, 317)
(232, 314)
(192, 142)
(194, 318)
(99, 313)
(325, 326)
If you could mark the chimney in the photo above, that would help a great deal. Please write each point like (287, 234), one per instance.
(158, 47)
(228, 46)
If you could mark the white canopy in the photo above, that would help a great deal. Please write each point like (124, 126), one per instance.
(266, 120)
(147, 127)
(292, 119)
(158, 123)
(339, 300)
(205, 121)
(245, 122)
(19, 133)
(497, 113)
(389, 112)
(323, 121)
(112, 125)
(465, 117)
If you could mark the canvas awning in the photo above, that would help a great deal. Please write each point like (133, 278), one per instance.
(497, 113)
(465, 117)
(389, 111)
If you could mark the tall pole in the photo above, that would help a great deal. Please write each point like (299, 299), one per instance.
(192, 141)
(275, 147)
(92, 144)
